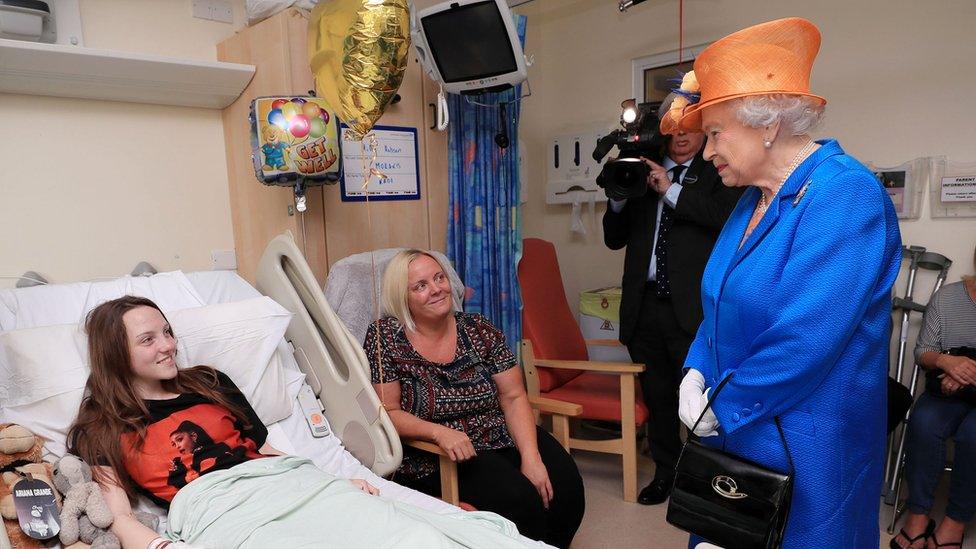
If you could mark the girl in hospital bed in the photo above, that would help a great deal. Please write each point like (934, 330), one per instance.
(190, 441)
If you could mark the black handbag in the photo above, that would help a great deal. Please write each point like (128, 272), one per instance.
(728, 500)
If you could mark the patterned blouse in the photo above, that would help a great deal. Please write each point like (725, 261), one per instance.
(461, 395)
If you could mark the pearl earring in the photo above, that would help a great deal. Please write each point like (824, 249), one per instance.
(767, 143)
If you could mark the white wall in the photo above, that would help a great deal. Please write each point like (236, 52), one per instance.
(89, 188)
(897, 75)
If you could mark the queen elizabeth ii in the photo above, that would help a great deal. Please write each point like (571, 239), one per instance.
(796, 294)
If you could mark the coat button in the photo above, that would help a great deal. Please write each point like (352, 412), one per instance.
(709, 341)
(735, 416)
(756, 407)
(746, 412)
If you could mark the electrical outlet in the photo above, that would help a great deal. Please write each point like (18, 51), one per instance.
(213, 10)
(223, 260)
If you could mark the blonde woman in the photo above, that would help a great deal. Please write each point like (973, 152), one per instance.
(448, 378)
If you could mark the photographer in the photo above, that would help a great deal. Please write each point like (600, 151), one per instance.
(669, 233)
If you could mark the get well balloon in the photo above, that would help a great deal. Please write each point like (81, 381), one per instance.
(358, 51)
(298, 151)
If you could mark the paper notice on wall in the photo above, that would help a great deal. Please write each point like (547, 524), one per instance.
(959, 189)
(395, 158)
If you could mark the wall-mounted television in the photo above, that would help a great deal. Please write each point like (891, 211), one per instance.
(470, 46)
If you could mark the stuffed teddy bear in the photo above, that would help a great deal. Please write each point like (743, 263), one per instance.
(85, 515)
(82, 497)
(100, 538)
(20, 453)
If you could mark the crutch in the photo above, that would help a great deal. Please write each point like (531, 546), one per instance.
(933, 262)
(912, 253)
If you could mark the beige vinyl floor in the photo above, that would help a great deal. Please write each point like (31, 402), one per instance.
(611, 523)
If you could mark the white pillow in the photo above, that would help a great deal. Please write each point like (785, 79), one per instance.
(69, 303)
(42, 378)
(239, 339)
(49, 419)
(242, 339)
(38, 363)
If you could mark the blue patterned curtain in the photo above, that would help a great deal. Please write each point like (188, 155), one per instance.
(484, 235)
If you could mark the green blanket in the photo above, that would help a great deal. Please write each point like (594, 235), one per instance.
(288, 502)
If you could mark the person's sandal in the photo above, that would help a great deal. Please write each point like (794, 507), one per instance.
(926, 534)
(950, 544)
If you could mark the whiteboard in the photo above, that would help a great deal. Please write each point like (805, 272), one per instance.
(396, 157)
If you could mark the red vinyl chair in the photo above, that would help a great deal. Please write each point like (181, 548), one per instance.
(557, 365)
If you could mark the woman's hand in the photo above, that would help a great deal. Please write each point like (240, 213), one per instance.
(961, 369)
(455, 444)
(691, 402)
(535, 471)
(949, 385)
(365, 486)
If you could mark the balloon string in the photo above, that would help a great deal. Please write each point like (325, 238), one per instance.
(370, 170)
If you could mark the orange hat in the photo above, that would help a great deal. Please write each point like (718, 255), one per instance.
(769, 58)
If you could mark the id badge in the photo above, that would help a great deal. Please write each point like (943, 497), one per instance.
(37, 510)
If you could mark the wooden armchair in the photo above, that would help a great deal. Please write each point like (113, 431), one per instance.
(560, 411)
(557, 365)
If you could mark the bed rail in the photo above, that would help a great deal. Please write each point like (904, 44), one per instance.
(333, 362)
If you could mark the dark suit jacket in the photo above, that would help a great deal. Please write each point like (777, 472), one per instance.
(703, 206)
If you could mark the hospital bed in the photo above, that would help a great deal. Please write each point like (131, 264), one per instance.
(315, 349)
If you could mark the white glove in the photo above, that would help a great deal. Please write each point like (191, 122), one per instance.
(692, 399)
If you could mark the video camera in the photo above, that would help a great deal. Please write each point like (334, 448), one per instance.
(626, 176)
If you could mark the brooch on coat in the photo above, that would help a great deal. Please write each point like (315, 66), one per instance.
(803, 191)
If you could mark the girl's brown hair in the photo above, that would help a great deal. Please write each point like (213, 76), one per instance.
(111, 406)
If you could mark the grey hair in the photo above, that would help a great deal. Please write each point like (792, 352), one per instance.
(797, 114)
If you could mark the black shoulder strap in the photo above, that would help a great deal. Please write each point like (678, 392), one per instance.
(779, 427)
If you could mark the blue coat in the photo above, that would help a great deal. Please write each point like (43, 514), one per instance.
(801, 313)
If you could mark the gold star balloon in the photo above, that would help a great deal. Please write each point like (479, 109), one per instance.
(358, 51)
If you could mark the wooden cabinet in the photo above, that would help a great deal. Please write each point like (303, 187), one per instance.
(333, 229)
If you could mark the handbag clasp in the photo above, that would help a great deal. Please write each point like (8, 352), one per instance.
(726, 487)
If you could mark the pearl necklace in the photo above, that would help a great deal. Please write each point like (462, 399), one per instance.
(800, 155)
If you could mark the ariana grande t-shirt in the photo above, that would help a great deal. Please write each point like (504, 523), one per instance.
(189, 436)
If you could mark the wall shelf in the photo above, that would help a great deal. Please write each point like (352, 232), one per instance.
(71, 71)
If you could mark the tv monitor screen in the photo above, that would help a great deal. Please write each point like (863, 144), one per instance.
(469, 42)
